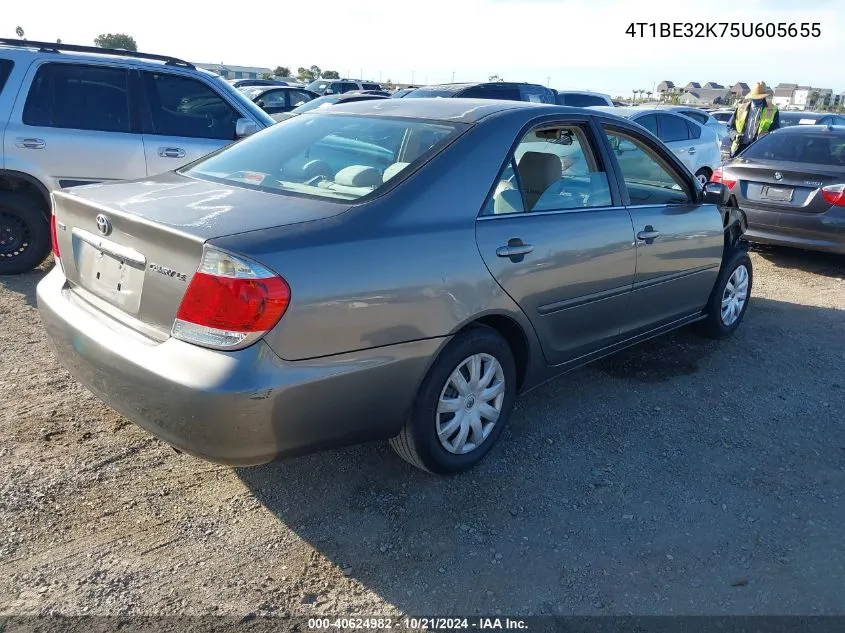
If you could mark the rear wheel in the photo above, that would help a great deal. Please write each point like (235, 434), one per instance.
(730, 297)
(462, 405)
(24, 233)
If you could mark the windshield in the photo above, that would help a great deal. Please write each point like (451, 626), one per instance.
(330, 156)
(818, 149)
(246, 102)
(423, 92)
(318, 86)
(319, 102)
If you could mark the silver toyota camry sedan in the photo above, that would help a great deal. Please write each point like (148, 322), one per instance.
(397, 269)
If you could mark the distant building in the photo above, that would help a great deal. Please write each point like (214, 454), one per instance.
(228, 71)
(712, 85)
(693, 85)
(665, 90)
(740, 89)
(706, 97)
(783, 95)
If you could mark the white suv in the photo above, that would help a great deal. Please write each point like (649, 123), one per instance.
(77, 115)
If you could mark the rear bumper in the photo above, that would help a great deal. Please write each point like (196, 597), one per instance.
(237, 408)
(811, 231)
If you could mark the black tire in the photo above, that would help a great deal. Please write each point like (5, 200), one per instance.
(713, 326)
(706, 173)
(24, 233)
(418, 442)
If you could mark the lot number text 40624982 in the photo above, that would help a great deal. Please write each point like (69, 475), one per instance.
(724, 29)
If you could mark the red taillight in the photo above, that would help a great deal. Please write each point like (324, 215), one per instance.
(834, 194)
(54, 239)
(230, 302)
(719, 176)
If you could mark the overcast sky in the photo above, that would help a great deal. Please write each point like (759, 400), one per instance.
(566, 43)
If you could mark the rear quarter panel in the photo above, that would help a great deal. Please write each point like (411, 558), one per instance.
(403, 267)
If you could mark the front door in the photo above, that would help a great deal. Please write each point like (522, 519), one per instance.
(185, 120)
(76, 125)
(679, 241)
(554, 239)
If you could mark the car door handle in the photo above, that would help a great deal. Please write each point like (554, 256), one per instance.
(648, 235)
(692, 150)
(31, 143)
(171, 152)
(514, 250)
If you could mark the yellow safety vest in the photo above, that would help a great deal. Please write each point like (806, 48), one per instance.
(767, 117)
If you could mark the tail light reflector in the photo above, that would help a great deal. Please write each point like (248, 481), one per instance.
(834, 194)
(719, 176)
(54, 240)
(230, 302)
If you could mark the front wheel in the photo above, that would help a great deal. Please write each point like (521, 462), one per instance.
(703, 176)
(730, 297)
(462, 405)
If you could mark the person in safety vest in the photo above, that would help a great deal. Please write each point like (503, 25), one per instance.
(753, 119)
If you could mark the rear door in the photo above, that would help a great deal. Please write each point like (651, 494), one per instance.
(184, 120)
(76, 124)
(679, 241)
(556, 239)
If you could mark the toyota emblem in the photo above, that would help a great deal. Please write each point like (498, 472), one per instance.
(778, 175)
(103, 224)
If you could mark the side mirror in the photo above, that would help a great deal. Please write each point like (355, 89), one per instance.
(716, 193)
(329, 92)
(245, 127)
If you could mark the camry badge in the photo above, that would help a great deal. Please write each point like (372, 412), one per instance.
(778, 175)
(103, 224)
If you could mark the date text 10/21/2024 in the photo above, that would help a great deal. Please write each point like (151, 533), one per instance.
(426, 624)
(724, 29)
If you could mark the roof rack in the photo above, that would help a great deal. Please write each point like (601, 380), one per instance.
(54, 47)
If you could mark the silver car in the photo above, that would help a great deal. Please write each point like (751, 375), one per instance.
(393, 269)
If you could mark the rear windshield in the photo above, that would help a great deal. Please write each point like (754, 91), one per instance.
(5, 71)
(329, 156)
(580, 101)
(819, 149)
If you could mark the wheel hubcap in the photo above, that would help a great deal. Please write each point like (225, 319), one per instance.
(14, 235)
(470, 404)
(735, 295)
(702, 178)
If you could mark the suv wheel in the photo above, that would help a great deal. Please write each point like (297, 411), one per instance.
(24, 233)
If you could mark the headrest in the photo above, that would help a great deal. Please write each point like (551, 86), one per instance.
(392, 170)
(538, 170)
(358, 176)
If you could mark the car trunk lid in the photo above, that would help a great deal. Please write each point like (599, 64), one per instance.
(132, 248)
(784, 186)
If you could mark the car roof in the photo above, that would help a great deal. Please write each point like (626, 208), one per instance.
(582, 92)
(457, 87)
(440, 109)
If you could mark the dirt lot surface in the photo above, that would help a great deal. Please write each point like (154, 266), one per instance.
(683, 476)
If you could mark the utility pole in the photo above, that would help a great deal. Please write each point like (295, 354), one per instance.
(548, 81)
(453, 76)
(412, 77)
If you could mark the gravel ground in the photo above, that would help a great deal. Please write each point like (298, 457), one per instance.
(683, 476)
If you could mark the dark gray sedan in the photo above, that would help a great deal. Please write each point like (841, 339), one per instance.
(791, 185)
(395, 269)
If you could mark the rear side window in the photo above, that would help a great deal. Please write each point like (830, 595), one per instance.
(180, 106)
(371, 86)
(6, 66)
(696, 116)
(672, 128)
(580, 101)
(79, 97)
(348, 87)
(553, 169)
(507, 93)
(693, 129)
(818, 149)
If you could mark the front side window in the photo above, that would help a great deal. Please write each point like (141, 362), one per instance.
(79, 97)
(181, 106)
(330, 156)
(672, 128)
(648, 178)
(554, 168)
